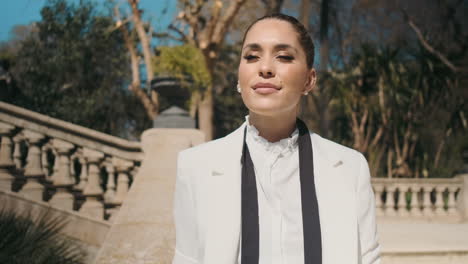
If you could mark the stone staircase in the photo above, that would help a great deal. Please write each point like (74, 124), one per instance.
(116, 195)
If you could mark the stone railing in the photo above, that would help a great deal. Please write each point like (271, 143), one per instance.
(420, 199)
(69, 166)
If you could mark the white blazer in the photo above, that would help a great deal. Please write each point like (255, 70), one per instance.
(207, 205)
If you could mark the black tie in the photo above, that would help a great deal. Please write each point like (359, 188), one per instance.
(310, 211)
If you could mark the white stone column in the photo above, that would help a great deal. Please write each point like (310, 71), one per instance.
(123, 168)
(390, 203)
(33, 170)
(378, 189)
(463, 196)
(427, 205)
(6, 162)
(109, 196)
(17, 151)
(402, 211)
(45, 162)
(83, 174)
(63, 179)
(439, 202)
(415, 208)
(451, 204)
(92, 206)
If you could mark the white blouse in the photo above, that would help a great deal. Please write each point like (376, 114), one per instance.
(279, 197)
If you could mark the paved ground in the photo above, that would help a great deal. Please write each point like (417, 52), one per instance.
(423, 237)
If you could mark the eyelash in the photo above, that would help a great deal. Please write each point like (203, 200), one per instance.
(250, 57)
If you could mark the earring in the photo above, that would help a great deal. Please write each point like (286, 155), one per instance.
(238, 88)
(306, 93)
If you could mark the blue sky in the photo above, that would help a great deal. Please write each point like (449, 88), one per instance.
(14, 12)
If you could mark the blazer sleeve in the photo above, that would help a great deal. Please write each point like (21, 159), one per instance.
(184, 215)
(368, 237)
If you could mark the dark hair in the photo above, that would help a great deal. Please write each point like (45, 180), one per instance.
(304, 38)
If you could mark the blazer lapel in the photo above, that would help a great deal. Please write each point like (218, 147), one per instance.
(224, 188)
(336, 201)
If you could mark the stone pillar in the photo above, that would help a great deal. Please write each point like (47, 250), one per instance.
(63, 179)
(463, 196)
(123, 168)
(109, 196)
(92, 206)
(33, 170)
(6, 162)
(143, 229)
(83, 175)
(17, 152)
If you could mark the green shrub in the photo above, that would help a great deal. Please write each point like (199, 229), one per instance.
(28, 240)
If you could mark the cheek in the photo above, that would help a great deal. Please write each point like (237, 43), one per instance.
(293, 78)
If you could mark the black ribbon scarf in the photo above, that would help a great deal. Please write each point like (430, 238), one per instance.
(310, 213)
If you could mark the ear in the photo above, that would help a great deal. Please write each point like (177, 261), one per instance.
(311, 80)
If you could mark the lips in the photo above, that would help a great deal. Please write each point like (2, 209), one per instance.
(265, 88)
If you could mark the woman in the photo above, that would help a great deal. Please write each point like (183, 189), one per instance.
(271, 191)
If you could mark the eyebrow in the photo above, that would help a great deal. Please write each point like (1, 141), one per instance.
(281, 46)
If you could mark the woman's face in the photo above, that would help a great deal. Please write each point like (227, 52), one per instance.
(273, 73)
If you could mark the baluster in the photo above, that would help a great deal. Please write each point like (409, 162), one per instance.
(451, 204)
(123, 167)
(427, 205)
(390, 204)
(63, 180)
(45, 161)
(72, 168)
(415, 208)
(33, 170)
(93, 191)
(402, 211)
(56, 168)
(378, 199)
(109, 196)
(6, 162)
(439, 202)
(83, 174)
(17, 151)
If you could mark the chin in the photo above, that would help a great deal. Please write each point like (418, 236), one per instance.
(265, 110)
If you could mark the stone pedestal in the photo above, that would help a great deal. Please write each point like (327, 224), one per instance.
(143, 230)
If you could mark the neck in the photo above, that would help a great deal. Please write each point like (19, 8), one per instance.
(273, 128)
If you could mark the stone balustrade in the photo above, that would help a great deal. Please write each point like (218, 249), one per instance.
(420, 199)
(69, 166)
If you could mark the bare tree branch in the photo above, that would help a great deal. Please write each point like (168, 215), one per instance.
(222, 26)
(429, 47)
(135, 86)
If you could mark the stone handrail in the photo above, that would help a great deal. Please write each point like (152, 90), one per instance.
(72, 133)
(69, 166)
(416, 198)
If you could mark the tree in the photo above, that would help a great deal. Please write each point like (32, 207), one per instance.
(150, 103)
(206, 30)
(390, 101)
(73, 68)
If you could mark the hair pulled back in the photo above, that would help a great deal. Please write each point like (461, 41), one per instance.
(304, 38)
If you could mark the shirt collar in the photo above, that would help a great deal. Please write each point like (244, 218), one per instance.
(284, 144)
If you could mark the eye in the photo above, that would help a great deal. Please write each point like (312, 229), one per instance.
(286, 57)
(250, 57)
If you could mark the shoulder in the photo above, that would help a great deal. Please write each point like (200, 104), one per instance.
(201, 152)
(334, 150)
(213, 149)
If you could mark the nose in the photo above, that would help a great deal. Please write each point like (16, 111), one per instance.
(266, 69)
